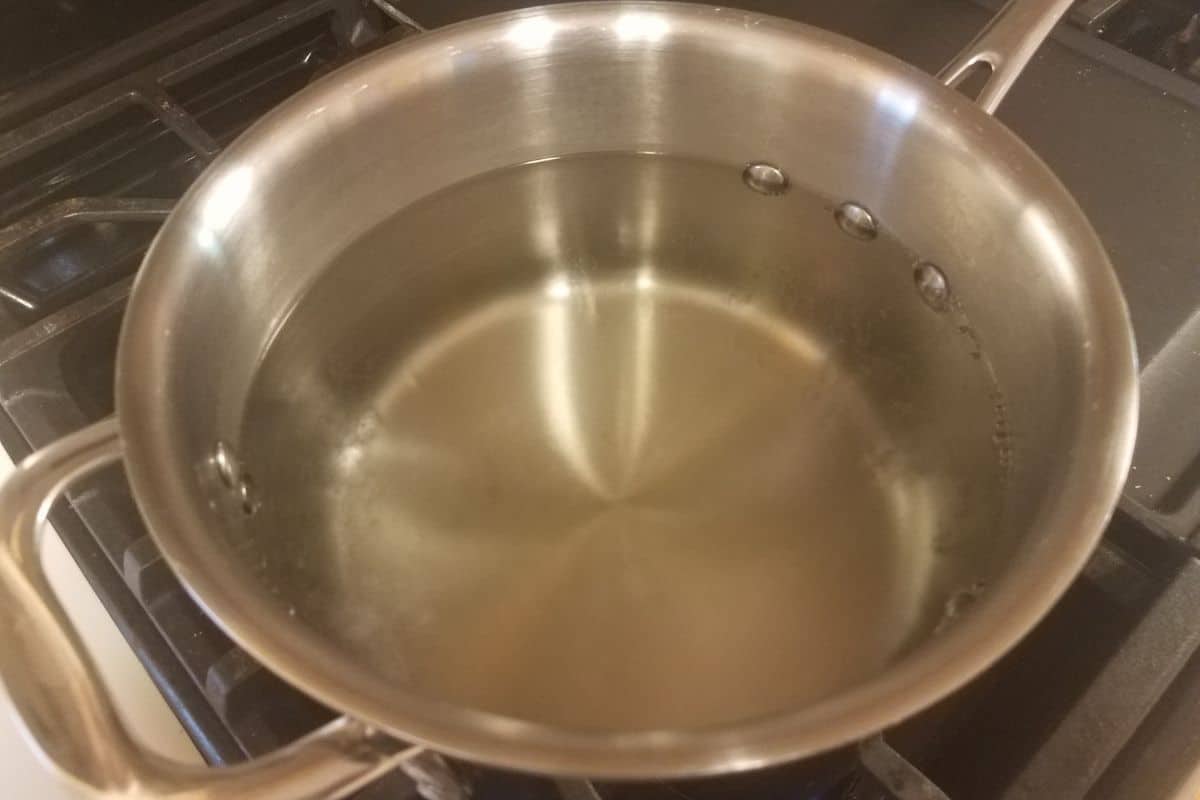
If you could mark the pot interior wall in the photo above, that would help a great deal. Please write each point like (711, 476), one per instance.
(381, 224)
(635, 423)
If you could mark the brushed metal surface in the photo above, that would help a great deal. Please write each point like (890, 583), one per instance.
(689, 456)
(261, 229)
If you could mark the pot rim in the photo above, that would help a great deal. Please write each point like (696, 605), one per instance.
(1068, 531)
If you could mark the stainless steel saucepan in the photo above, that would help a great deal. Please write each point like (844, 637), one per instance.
(618, 389)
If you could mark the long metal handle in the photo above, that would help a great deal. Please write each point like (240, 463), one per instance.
(58, 694)
(1005, 45)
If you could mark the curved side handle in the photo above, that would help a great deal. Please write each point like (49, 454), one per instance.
(61, 701)
(1005, 45)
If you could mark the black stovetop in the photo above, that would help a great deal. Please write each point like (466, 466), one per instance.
(109, 110)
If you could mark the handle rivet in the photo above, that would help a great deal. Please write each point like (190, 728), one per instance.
(765, 178)
(857, 221)
(932, 285)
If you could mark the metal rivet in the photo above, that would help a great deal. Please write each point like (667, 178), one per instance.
(857, 221)
(225, 464)
(765, 178)
(932, 285)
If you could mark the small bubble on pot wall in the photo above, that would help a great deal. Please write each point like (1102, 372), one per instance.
(932, 285)
(959, 602)
(248, 495)
(225, 464)
(765, 178)
(857, 221)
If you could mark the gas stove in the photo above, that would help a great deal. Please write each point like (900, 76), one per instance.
(109, 110)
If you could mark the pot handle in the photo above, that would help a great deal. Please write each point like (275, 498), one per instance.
(59, 696)
(1005, 46)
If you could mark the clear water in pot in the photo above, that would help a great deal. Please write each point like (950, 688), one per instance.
(615, 442)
